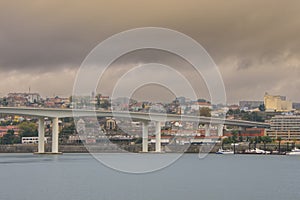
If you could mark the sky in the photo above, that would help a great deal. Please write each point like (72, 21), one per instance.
(255, 43)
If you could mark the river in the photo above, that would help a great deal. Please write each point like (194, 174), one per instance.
(81, 177)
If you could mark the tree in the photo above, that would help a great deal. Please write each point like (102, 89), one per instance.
(4, 102)
(138, 140)
(205, 111)
(28, 129)
(256, 140)
(262, 107)
(227, 141)
(67, 131)
(10, 138)
(234, 136)
(240, 138)
(279, 142)
(98, 100)
(106, 104)
(268, 139)
(263, 139)
(7, 138)
(251, 140)
(201, 100)
(252, 116)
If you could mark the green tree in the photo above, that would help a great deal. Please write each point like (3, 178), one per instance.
(264, 141)
(67, 131)
(252, 116)
(4, 102)
(267, 139)
(240, 138)
(106, 104)
(262, 107)
(279, 139)
(28, 129)
(138, 140)
(98, 100)
(10, 138)
(227, 140)
(7, 138)
(251, 141)
(234, 136)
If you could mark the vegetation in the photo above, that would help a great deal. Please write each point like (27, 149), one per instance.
(252, 140)
(8, 122)
(105, 104)
(3, 102)
(259, 116)
(10, 138)
(279, 143)
(262, 107)
(67, 131)
(232, 139)
(28, 129)
(138, 140)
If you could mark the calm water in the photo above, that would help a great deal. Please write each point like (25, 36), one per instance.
(81, 177)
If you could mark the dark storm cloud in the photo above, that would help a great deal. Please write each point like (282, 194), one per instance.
(255, 43)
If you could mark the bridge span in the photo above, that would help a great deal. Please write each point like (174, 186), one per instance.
(55, 114)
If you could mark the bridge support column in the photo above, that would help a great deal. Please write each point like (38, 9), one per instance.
(55, 135)
(207, 130)
(158, 137)
(220, 130)
(145, 137)
(41, 144)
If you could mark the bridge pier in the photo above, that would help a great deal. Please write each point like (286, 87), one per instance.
(41, 142)
(207, 130)
(55, 135)
(158, 137)
(220, 130)
(145, 137)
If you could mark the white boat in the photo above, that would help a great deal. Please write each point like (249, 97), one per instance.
(294, 151)
(225, 152)
(257, 151)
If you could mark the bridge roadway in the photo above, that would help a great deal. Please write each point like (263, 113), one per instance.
(41, 113)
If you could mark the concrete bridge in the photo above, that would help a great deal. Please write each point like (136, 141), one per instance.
(55, 114)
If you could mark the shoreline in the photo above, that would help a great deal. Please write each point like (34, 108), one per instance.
(32, 148)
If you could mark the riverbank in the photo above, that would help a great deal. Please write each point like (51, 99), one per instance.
(119, 148)
(106, 148)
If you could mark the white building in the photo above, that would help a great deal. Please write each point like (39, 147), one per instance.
(32, 140)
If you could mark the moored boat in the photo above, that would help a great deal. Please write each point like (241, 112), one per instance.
(256, 151)
(226, 152)
(294, 151)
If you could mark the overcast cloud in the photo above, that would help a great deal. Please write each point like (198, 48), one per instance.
(255, 43)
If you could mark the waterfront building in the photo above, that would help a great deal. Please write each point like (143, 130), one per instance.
(277, 103)
(285, 126)
(32, 140)
(247, 132)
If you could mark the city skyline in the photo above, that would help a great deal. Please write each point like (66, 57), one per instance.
(253, 43)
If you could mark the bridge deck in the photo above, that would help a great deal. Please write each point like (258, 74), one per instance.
(62, 113)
